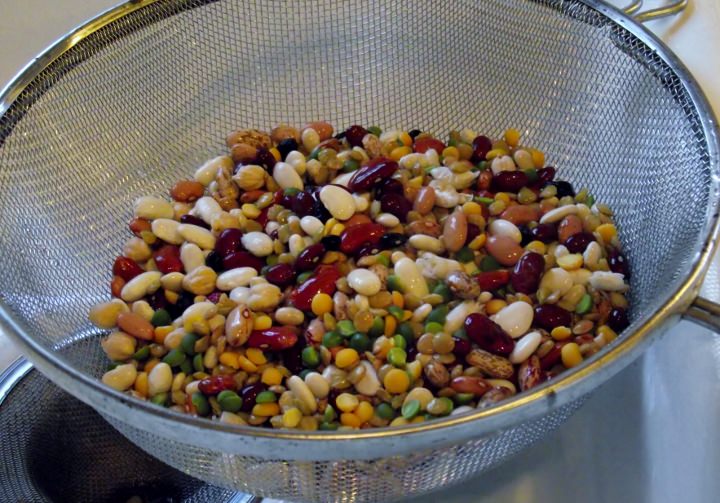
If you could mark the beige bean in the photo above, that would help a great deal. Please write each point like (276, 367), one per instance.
(568, 226)
(455, 230)
(135, 325)
(160, 379)
(504, 249)
(141, 285)
(289, 316)
(137, 250)
(172, 281)
(425, 200)
(521, 214)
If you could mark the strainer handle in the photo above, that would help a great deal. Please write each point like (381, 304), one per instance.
(649, 15)
(705, 312)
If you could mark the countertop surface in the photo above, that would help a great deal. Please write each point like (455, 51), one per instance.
(650, 434)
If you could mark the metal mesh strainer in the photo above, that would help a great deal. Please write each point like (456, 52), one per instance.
(142, 95)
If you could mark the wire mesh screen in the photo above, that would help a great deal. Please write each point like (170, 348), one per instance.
(146, 99)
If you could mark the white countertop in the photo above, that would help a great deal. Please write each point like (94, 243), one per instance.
(649, 435)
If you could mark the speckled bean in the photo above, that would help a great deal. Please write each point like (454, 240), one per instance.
(455, 231)
(504, 249)
(425, 200)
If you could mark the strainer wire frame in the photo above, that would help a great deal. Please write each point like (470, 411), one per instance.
(372, 443)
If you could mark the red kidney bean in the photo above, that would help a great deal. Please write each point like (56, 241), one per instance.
(546, 175)
(526, 274)
(396, 204)
(323, 281)
(509, 181)
(265, 159)
(488, 335)
(280, 274)
(553, 356)
(353, 238)
(389, 186)
(229, 241)
(546, 233)
(492, 280)
(481, 146)
(578, 242)
(549, 316)
(157, 300)
(303, 204)
(292, 358)
(275, 338)
(262, 218)
(375, 172)
(618, 263)
(215, 384)
(530, 373)
(116, 286)
(138, 225)
(242, 259)
(249, 394)
(422, 145)
(462, 347)
(618, 319)
(355, 134)
(167, 259)
(126, 268)
(309, 257)
(467, 384)
(473, 231)
(189, 219)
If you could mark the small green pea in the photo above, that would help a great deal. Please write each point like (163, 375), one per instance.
(315, 152)
(397, 357)
(383, 260)
(438, 314)
(350, 165)
(590, 200)
(188, 343)
(484, 200)
(272, 260)
(231, 401)
(584, 305)
(374, 130)
(393, 283)
(291, 191)
(444, 290)
(329, 415)
(186, 367)
(161, 318)
(532, 175)
(198, 365)
(332, 339)
(452, 142)
(449, 405)
(174, 357)
(406, 330)
(303, 277)
(304, 372)
(410, 409)
(384, 411)
(310, 357)
(142, 353)
(113, 365)
(399, 341)
(464, 255)
(396, 311)
(433, 327)
(360, 342)
(345, 327)
(328, 426)
(200, 403)
(266, 397)
(377, 328)
(431, 284)
(160, 399)
(460, 333)
(488, 263)
(483, 165)
(463, 398)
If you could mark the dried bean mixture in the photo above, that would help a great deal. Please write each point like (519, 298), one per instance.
(360, 280)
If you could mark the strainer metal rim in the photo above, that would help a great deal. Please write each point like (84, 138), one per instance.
(452, 429)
